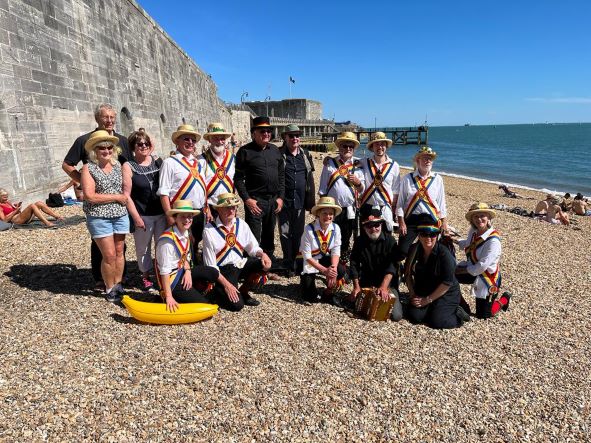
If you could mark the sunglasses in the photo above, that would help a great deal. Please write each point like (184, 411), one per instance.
(104, 148)
(142, 144)
(347, 146)
(264, 131)
(372, 225)
(189, 139)
(428, 234)
(293, 135)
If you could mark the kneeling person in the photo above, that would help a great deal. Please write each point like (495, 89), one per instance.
(374, 260)
(173, 261)
(230, 246)
(321, 250)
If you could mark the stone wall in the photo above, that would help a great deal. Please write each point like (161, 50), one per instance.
(62, 57)
(296, 108)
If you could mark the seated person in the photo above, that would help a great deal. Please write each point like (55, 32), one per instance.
(434, 292)
(321, 250)
(374, 260)
(173, 262)
(566, 204)
(230, 246)
(508, 192)
(483, 250)
(13, 213)
(549, 211)
(580, 205)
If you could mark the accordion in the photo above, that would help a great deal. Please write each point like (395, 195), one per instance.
(370, 306)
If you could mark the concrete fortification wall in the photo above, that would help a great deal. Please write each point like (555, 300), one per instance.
(62, 57)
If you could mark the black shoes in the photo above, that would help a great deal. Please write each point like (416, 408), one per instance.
(251, 301)
(462, 315)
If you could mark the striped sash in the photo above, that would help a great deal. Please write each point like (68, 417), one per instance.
(184, 254)
(324, 243)
(422, 196)
(492, 280)
(220, 172)
(343, 169)
(377, 185)
(193, 178)
(231, 242)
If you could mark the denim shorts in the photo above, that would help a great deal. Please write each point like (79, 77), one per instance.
(100, 227)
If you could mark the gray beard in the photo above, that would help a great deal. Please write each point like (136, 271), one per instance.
(217, 150)
(374, 235)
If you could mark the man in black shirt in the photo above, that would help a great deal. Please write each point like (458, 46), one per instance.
(298, 174)
(373, 260)
(260, 182)
(105, 116)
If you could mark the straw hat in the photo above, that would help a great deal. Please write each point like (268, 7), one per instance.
(326, 202)
(425, 150)
(291, 129)
(378, 137)
(100, 136)
(227, 200)
(184, 130)
(479, 208)
(215, 129)
(346, 137)
(182, 207)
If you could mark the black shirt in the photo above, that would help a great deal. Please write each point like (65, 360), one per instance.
(372, 260)
(439, 268)
(295, 178)
(78, 154)
(144, 184)
(259, 172)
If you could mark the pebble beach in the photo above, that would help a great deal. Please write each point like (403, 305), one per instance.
(77, 368)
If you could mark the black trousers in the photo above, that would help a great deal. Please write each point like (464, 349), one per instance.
(263, 225)
(347, 228)
(96, 257)
(197, 229)
(405, 241)
(308, 281)
(291, 227)
(199, 274)
(440, 314)
(234, 275)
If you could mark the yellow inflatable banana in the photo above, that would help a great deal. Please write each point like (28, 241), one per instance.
(156, 313)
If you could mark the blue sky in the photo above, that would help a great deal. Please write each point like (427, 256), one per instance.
(394, 62)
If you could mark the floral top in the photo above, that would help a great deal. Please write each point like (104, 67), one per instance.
(111, 183)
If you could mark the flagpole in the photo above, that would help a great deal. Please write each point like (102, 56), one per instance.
(289, 80)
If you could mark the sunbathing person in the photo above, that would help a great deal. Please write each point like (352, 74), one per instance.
(581, 206)
(13, 212)
(508, 192)
(548, 210)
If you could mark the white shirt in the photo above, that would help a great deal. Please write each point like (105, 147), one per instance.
(310, 243)
(343, 194)
(408, 189)
(390, 182)
(166, 252)
(214, 242)
(173, 175)
(488, 255)
(215, 186)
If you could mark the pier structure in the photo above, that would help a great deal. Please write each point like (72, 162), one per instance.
(415, 135)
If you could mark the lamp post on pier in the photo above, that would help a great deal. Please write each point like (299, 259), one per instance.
(267, 98)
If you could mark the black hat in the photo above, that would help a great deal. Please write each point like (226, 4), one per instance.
(260, 122)
(369, 214)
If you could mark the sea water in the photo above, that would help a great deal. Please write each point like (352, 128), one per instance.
(548, 157)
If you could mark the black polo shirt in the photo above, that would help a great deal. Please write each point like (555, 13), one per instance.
(259, 172)
(78, 154)
(439, 268)
(372, 260)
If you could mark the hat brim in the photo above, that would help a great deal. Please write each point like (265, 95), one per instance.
(381, 220)
(387, 140)
(211, 134)
(338, 142)
(491, 214)
(91, 143)
(172, 212)
(420, 154)
(177, 134)
(315, 209)
(228, 204)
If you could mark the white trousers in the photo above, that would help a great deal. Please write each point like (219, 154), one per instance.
(155, 226)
